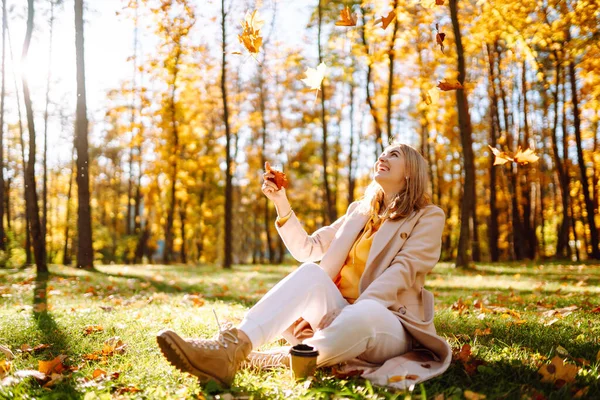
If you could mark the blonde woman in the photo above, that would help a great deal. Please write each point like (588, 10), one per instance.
(364, 304)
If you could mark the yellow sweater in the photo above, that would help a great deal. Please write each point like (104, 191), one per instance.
(354, 266)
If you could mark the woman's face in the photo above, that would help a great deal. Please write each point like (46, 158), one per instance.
(390, 169)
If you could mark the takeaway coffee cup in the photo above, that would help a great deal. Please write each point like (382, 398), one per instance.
(303, 361)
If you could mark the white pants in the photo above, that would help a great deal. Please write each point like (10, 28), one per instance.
(365, 329)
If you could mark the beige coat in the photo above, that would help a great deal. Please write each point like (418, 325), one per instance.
(401, 255)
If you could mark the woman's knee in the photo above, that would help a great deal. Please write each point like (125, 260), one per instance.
(310, 269)
(368, 313)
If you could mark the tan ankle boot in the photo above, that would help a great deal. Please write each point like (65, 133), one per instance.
(217, 359)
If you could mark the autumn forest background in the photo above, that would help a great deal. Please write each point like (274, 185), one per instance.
(171, 170)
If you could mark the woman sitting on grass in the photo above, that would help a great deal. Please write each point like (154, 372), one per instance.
(364, 303)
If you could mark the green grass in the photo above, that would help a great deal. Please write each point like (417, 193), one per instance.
(140, 300)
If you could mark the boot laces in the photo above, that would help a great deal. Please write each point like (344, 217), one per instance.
(260, 361)
(225, 335)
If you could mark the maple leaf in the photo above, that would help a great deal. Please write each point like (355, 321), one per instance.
(385, 21)
(53, 366)
(557, 372)
(314, 77)
(439, 37)
(250, 37)
(439, 2)
(88, 330)
(113, 345)
(449, 85)
(280, 178)
(346, 18)
(501, 157)
(525, 157)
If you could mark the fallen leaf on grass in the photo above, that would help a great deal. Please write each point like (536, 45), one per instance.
(346, 18)
(485, 332)
(557, 372)
(596, 310)
(128, 389)
(195, 299)
(469, 395)
(88, 330)
(446, 85)
(114, 345)
(52, 366)
(581, 392)
(5, 366)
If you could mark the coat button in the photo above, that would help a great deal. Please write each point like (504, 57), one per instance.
(402, 310)
(403, 235)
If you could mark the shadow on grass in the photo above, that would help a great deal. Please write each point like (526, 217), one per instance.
(50, 332)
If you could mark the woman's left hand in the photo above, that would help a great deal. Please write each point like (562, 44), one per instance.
(329, 317)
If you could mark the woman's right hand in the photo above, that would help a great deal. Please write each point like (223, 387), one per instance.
(270, 190)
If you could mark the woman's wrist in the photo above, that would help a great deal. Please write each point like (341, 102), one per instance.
(283, 209)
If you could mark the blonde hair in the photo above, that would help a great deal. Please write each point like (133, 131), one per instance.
(412, 197)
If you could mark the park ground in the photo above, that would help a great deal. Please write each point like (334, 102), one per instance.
(518, 331)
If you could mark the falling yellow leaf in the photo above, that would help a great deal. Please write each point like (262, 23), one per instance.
(525, 157)
(428, 3)
(314, 77)
(557, 371)
(385, 21)
(469, 395)
(346, 18)
(432, 96)
(250, 37)
(501, 157)
(52, 366)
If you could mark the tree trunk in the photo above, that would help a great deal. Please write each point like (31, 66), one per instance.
(263, 120)
(228, 256)
(39, 245)
(493, 231)
(392, 56)
(8, 183)
(331, 209)
(528, 229)
(66, 253)
(85, 251)
(168, 254)
(563, 232)
(45, 160)
(183, 217)
(351, 178)
(589, 205)
(369, 97)
(463, 258)
(2, 97)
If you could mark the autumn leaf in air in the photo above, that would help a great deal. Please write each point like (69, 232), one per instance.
(314, 78)
(439, 2)
(250, 37)
(428, 3)
(446, 85)
(432, 96)
(385, 21)
(525, 157)
(439, 37)
(557, 372)
(280, 178)
(346, 18)
(501, 157)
